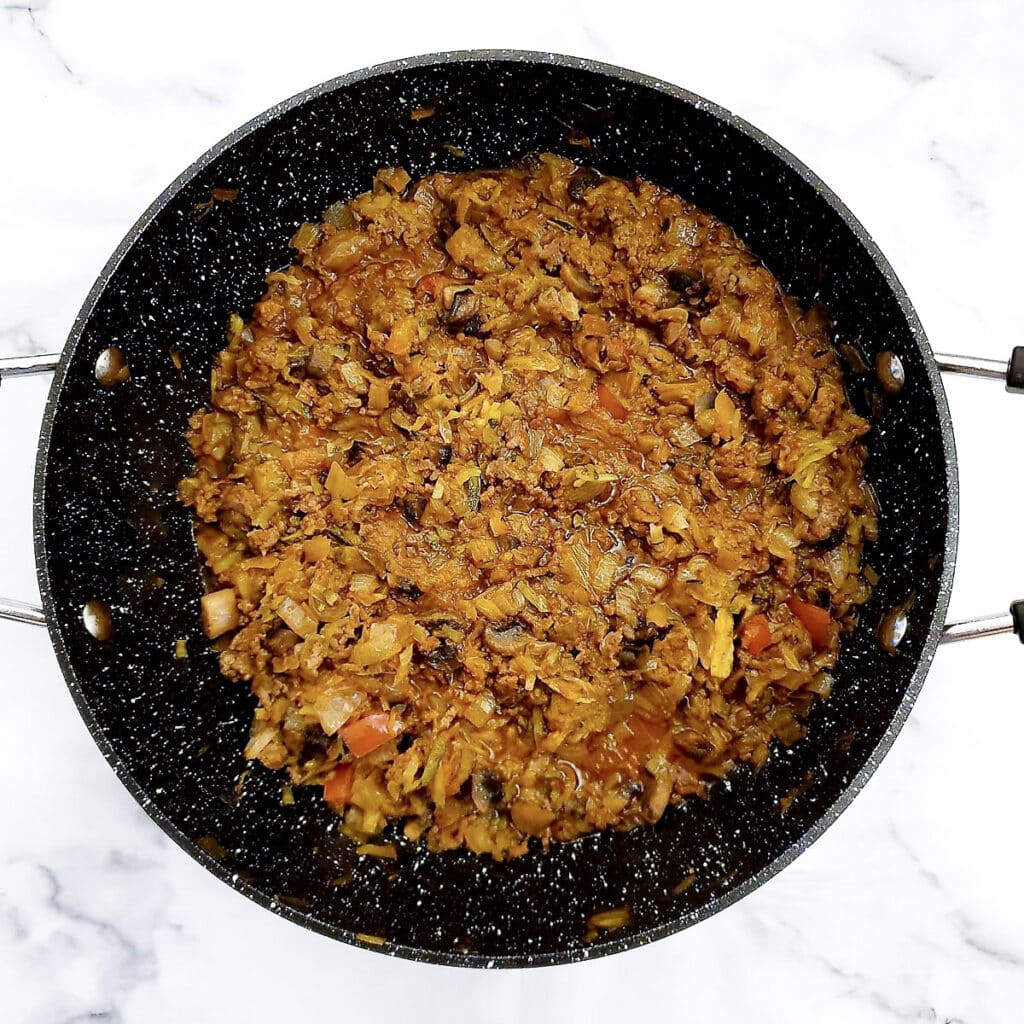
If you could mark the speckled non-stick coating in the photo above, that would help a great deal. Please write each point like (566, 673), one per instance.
(108, 525)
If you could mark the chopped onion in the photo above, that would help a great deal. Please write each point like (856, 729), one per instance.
(650, 576)
(609, 920)
(686, 434)
(297, 617)
(259, 741)
(334, 711)
(340, 484)
(722, 645)
(549, 460)
(674, 519)
(534, 597)
(219, 612)
(804, 500)
(782, 542)
(604, 573)
(380, 641)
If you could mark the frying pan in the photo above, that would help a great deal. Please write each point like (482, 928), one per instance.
(110, 535)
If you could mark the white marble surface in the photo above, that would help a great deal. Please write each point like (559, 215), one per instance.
(911, 907)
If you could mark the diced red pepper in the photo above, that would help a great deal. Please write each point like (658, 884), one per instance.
(338, 788)
(611, 403)
(815, 620)
(369, 733)
(754, 634)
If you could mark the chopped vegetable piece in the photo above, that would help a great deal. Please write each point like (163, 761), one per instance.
(815, 620)
(385, 851)
(755, 635)
(721, 649)
(297, 617)
(611, 403)
(369, 733)
(338, 787)
(380, 641)
(610, 920)
(219, 612)
(316, 548)
(684, 884)
(340, 484)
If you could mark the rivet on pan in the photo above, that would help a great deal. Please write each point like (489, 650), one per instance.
(97, 620)
(894, 625)
(890, 372)
(111, 367)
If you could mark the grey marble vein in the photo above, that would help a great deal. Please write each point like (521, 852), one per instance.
(962, 190)
(851, 981)
(966, 928)
(69, 912)
(907, 70)
(11, 920)
(33, 13)
(59, 902)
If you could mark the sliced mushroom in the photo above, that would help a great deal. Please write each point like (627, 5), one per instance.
(508, 640)
(656, 796)
(407, 590)
(460, 303)
(412, 509)
(318, 362)
(487, 791)
(630, 654)
(582, 181)
(444, 657)
(529, 162)
(577, 281)
(462, 310)
(693, 292)
(531, 818)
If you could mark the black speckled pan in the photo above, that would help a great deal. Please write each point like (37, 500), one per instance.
(108, 526)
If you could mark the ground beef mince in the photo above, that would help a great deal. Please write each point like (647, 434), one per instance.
(531, 505)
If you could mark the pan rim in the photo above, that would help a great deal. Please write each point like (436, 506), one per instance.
(828, 816)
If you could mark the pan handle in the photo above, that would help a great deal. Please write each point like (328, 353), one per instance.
(24, 366)
(1012, 374)
(988, 625)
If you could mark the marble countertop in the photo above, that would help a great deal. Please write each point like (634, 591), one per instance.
(910, 907)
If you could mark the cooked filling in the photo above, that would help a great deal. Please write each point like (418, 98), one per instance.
(531, 506)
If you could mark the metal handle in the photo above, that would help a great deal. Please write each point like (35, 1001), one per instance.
(972, 629)
(25, 366)
(1011, 373)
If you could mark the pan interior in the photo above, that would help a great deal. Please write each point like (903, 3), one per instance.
(110, 529)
